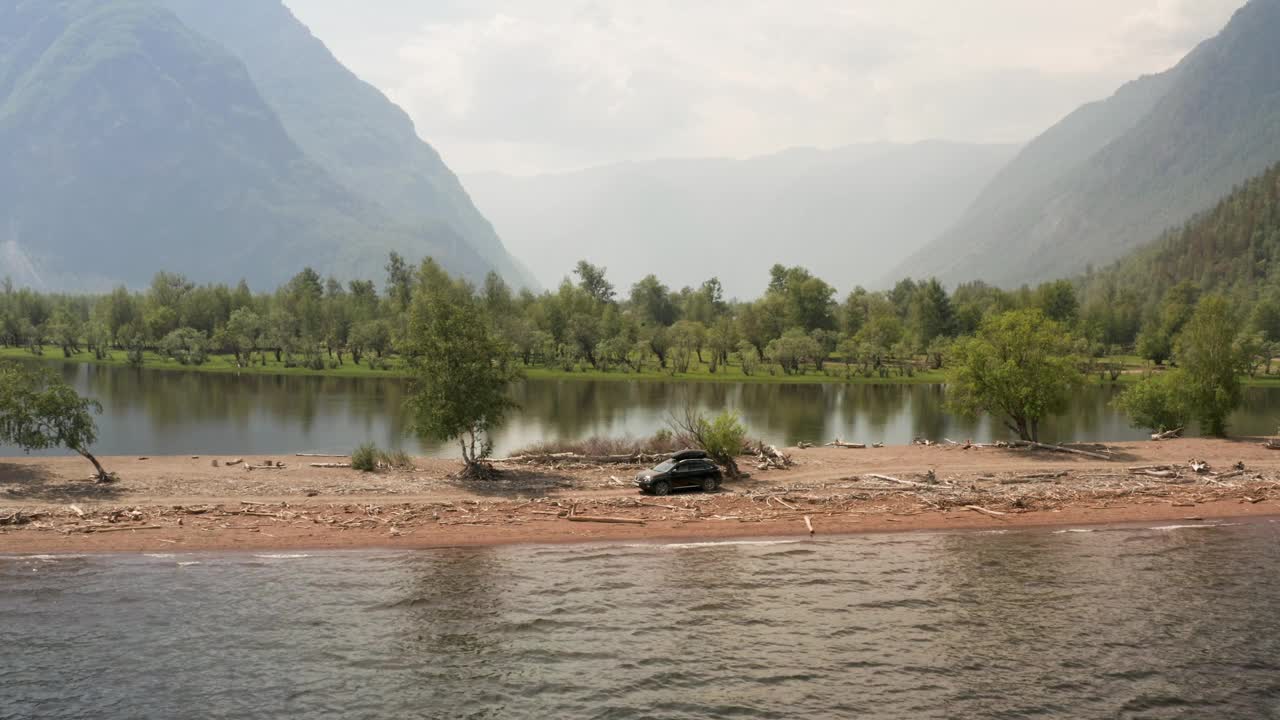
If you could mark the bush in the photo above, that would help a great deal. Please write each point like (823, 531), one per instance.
(1158, 402)
(721, 438)
(365, 458)
(398, 459)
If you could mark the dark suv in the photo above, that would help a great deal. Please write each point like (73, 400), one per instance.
(688, 469)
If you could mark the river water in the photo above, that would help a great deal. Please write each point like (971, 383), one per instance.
(1170, 622)
(150, 412)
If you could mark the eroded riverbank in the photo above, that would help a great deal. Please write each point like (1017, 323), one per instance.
(186, 503)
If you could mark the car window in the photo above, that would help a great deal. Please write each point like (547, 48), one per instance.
(665, 466)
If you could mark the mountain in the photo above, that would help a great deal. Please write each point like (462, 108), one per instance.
(132, 140)
(1232, 248)
(848, 214)
(1116, 174)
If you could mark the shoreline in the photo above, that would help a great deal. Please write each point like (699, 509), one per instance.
(180, 504)
(1208, 516)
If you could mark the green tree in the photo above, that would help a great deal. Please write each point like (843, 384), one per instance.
(1210, 359)
(39, 410)
(186, 345)
(1018, 368)
(1158, 402)
(462, 372)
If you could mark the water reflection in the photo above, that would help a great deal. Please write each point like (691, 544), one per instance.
(154, 412)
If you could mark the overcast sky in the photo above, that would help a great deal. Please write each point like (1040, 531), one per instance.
(528, 86)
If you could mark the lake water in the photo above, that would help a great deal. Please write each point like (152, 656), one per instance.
(1173, 622)
(151, 412)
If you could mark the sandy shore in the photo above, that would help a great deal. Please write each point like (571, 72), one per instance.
(187, 503)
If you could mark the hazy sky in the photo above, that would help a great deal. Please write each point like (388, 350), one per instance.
(540, 85)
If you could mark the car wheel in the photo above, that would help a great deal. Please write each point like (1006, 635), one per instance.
(710, 483)
(662, 487)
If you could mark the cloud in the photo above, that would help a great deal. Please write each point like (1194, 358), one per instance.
(527, 85)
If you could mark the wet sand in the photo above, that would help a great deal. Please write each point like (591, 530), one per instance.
(185, 503)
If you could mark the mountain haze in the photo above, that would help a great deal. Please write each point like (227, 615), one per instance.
(1117, 173)
(849, 214)
(133, 141)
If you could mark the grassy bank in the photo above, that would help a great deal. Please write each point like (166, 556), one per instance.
(395, 368)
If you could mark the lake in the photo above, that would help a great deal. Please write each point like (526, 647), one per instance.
(1169, 622)
(153, 412)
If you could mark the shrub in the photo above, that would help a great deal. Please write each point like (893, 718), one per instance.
(1158, 402)
(365, 458)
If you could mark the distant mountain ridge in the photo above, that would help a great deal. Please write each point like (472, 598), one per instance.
(138, 135)
(849, 214)
(1115, 174)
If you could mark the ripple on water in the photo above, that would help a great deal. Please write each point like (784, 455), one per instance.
(945, 625)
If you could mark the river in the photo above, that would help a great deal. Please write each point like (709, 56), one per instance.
(1172, 622)
(152, 412)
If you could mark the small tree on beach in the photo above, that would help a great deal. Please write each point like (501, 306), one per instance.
(1018, 368)
(1211, 362)
(1158, 402)
(39, 410)
(721, 438)
(462, 372)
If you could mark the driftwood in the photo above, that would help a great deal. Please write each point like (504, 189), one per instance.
(575, 518)
(1061, 449)
(1167, 435)
(76, 509)
(837, 443)
(984, 511)
(886, 478)
(569, 457)
(1199, 467)
(317, 455)
(279, 466)
(809, 524)
(331, 466)
(1271, 445)
(120, 529)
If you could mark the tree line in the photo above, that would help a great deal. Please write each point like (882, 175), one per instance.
(797, 326)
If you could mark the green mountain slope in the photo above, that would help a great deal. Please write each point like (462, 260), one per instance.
(1233, 248)
(130, 143)
(1116, 174)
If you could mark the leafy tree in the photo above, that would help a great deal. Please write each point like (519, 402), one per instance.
(1211, 362)
(187, 346)
(793, 350)
(721, 438)
(932, 314)
(39, 410)
(462, 372)
(591, 278)
(1158, 402)
(1057, 300)
(1154, 344)
(652, 301)
(748, 358)
(1018, 368)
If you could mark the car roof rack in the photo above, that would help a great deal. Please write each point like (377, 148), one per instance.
(689, 455)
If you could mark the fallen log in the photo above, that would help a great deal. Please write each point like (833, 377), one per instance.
(887, 478)
(837, 443)
(1271, 445)
(1167, 435)
(1061, 449)
(264, 467)
(331, 466)
(76, 509)
(602, 519)
(809, 524)
(318, 455)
